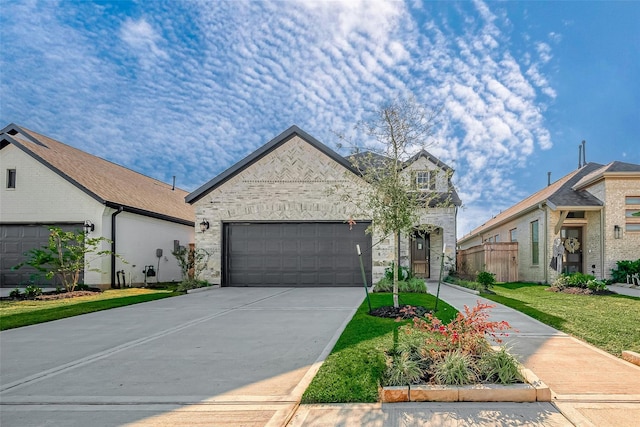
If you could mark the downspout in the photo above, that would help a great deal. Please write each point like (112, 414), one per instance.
(113, 245)
(545, 251)
(602, 240)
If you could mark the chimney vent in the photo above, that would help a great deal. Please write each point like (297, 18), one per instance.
(548, 179)
(584, 153)
(579, 156)
(173, 187)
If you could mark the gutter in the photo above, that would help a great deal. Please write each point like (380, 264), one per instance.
(119, 209)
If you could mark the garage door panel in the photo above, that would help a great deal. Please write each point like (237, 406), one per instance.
(295, 254)
(16, 240)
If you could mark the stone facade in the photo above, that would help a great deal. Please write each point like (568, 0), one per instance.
(295, 181)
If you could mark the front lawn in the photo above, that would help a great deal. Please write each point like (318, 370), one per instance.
(14, 314)
(610, 322)
(354, 368)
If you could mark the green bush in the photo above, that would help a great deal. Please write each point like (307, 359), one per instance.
(15, 293)
(455, 368)
(32, 291)
(486, 279)
(500, 367)
(624, 268)
(455, 280)
(413, 284)
(597, 285)
(576, 280)
(404, 273)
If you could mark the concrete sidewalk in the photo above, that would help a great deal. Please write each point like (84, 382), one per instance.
(590, 387)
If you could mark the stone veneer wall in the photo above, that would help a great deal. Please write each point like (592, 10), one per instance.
(295, 182)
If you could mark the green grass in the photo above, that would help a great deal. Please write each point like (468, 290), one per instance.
(15, 314)
(352, 372)
(609, 322)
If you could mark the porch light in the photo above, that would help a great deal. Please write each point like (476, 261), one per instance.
(88, 226)
(617, 232)
(204, 225)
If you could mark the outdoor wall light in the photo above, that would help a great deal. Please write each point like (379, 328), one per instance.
(88, 226)
(617, 232)
(204, 225)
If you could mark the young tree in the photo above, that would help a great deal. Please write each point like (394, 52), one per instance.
(400, 129)
(66, 256)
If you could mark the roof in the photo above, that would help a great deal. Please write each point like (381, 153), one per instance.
(557, 195)
(612, 169)
(260, 153)
(107, 182)
(369, 158)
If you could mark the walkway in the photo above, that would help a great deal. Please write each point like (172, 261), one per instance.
(589, 387)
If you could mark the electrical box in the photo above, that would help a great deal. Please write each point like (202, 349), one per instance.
(159, 253)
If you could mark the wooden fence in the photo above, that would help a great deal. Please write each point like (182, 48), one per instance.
(498, 258)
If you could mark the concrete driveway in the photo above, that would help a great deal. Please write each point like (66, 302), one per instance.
(228, 356)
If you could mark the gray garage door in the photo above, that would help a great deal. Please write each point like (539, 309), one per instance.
(295, 254)
(15, 240)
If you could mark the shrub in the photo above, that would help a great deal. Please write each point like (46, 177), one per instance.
(577, 280)
(414, 284)
(401, 370)
(597, 285)
(404, 273)
(500, 367)
(455, 368)
(624, 268)
(486, 279)
(32, 291)
(16, 293)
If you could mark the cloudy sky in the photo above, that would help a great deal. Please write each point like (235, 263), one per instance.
(188, 88)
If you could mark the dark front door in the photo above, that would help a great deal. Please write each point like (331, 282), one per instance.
(420, 245)
(295, 254)
(573, 247)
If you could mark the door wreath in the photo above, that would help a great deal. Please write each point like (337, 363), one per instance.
(572, 244)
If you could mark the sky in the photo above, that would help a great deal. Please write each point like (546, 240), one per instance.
(188, 88)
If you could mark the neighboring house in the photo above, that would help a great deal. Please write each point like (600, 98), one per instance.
(588, 219)
(275, 219)
(47, 183)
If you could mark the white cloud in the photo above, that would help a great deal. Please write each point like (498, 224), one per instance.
(143, 40)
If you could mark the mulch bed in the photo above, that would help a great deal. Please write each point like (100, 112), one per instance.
(402, 312)
(46, 296)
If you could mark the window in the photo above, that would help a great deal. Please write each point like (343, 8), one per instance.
(496, 238)
(632, 213)
(426, 180)
(513, 236)
(11, 178)
(535, 244)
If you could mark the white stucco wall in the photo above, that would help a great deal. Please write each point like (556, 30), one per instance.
(43, 196)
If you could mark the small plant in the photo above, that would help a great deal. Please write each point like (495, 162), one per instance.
(623, 270)
(188, 284)
(486, 279)
(59, 289)
(500, 367)
(401, 370)
(413, 284)
(32, 291)
(597, 285)
(15, 294)
(573, 280)
(454, 368)
(404, 273)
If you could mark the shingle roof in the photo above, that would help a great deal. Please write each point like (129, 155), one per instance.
(559, 193)
(105, 181)
(611, 168)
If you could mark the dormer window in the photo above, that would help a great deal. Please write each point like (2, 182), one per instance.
(426, 180)
(11, 178)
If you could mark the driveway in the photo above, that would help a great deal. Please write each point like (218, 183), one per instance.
(228, 356)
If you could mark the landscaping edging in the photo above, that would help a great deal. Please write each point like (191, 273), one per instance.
(534, 390)
(631, 356)
(462, 288)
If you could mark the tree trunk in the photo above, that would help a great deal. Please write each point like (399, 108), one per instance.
(396, 263)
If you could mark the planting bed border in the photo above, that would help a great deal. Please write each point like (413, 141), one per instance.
(533, 390)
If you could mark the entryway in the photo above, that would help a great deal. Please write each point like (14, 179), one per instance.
(573, 245)
(420, 249)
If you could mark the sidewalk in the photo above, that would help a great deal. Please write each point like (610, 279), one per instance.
(589, 387)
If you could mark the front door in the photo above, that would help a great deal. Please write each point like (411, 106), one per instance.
(420, 255)
(573, 246)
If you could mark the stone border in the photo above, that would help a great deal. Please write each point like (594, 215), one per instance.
(631, 356)
(534, 390)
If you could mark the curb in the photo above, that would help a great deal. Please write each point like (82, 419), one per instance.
(202, 289)
(462, 288)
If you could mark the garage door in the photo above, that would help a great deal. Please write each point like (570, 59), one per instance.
(15, 240)
(295, 254)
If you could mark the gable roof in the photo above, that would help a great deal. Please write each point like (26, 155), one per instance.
(558, 194)
(612, 169)
(260, 153)
(108, 183)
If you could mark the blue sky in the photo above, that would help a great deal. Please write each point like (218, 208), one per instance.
(189, 88)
